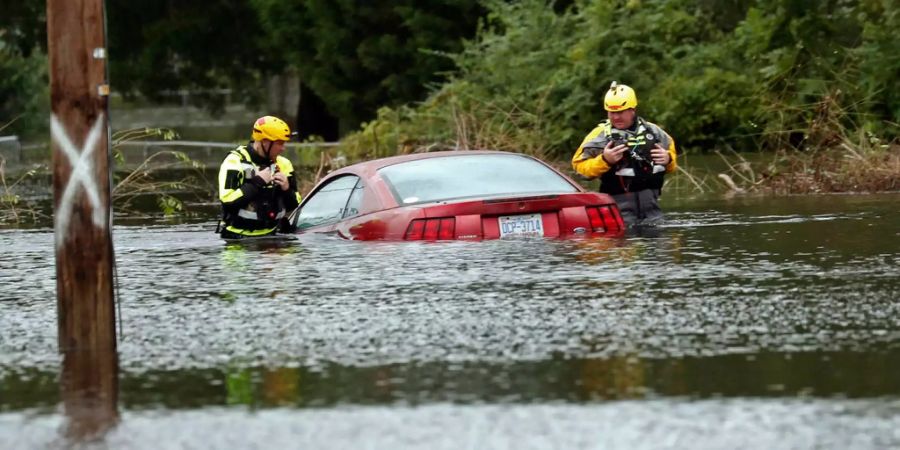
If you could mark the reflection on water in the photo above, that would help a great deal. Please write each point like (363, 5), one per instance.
(584, 380)
(89, 387)
(749, 322)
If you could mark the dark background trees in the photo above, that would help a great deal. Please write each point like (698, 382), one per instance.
(160, 46)
(742, 73)
(717, 74)
(23, 68)
(23, 25)
(348, 58)
(358, 56)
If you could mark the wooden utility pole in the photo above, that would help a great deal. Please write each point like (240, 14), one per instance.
(81, 188)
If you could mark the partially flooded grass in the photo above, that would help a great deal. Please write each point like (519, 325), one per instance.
(843, 168)
(861, 164)
(166, 176)
(833, 154)
(14, 208)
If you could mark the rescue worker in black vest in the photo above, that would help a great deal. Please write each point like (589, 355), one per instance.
(257, 186)
(630, 155)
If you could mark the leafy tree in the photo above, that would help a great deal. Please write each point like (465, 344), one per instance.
(24, 101)
(23, 25)
(879, 58)
(742, 73)
(188, 44)
(358, 56)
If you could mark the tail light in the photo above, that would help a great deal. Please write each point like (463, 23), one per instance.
(612, 218)
(443, 228)
(604, 218)
(595, 219)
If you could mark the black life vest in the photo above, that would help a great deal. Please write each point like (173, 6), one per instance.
(635, 171)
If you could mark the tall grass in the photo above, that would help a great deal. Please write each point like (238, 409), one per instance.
(13, 208)
(835, 155)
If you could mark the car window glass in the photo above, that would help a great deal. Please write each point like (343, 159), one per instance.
(327, 205)
(434, 179)
(355, 202)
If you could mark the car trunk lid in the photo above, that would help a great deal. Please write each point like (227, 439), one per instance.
(549, 215)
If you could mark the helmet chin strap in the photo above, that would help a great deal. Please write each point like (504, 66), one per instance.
(268, 149)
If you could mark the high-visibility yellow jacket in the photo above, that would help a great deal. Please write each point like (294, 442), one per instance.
(588, 159)
(250, 207)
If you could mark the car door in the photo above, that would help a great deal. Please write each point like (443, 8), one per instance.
(325, 207)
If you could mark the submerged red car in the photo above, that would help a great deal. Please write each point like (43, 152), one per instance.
(455, 195)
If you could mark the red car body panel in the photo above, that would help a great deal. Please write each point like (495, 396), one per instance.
(381, 217)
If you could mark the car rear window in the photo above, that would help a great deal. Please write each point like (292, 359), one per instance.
(462, 176)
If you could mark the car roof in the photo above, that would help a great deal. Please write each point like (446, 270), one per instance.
(367, 168)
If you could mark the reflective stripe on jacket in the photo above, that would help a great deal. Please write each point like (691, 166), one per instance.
(250, 207)
(588, 159)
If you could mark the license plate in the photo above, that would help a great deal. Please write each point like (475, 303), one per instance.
(521, 225)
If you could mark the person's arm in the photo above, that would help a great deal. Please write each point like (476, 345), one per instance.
(290, 195)
(665, 154)
(589, 161)
(672, 156)
(234, 191)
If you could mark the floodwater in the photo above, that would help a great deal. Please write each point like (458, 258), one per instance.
(769, 323)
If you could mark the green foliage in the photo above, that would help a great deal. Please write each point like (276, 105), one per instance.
(13, 209)
(359, 56)
(190, 44)
(144, 179)
(24, 97)
(879, 60)
(169, 205)
(512, 90)
(744, 74)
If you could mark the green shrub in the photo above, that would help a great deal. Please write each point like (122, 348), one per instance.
(741, 74)
(514, 90)
(24, 98)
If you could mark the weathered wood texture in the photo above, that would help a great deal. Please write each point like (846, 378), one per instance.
(81, 188)
(84, 252)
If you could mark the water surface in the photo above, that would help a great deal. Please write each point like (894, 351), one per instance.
(739, 323)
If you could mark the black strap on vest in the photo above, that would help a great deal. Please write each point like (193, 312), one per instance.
(637, 157)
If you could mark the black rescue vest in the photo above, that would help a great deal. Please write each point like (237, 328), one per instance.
(635, 171)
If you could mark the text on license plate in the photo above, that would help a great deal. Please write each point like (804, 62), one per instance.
(521, 225)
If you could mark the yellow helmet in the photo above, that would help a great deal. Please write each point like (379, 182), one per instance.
(271, 128)
(619, 97)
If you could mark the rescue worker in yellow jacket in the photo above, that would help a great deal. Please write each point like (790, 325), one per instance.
(257, 185)
(630, 155)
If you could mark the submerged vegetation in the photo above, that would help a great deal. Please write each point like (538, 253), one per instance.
(164, 177)
(13, 207)
(148, 177)
(835, 157)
